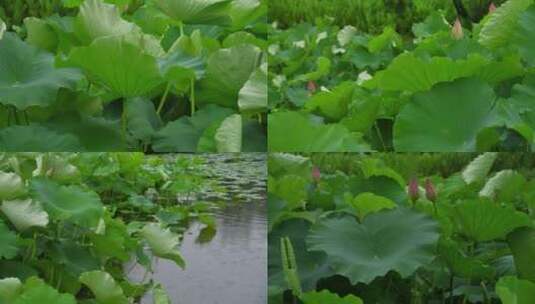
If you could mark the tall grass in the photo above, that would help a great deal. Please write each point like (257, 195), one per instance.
(367, 15)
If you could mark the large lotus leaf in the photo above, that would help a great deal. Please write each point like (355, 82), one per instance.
(120, 65)
(28, 76)
(523, 95)
(181, 69)
(447, 118)
(400, 240)
(462, 265)
(478, 169)
(375, 167)
(36, 290)
(332, 104)
(502, 24)
(410, 73)
(253, 96)
(485, 221)
(40, 34)
(24, 214)
(11, 185)
(163, 243)
(325, 296)
(35, 138)
(8, 242)
(297, 132)
(197, 11)
(227, 72)
(505, 185)
(142, 119)
(114, 242)
(75, 258)
(104, 287)
(512, 290)
(72, 203)
(291, 188)
(228, 136)
(10, 288)
(183, 134)
(522, 244)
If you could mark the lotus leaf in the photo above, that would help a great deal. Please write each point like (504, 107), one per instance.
(37, 138)
(72, 203)
(512, 290)
(430, 122)
(522, 244)
(478, 169)
(8, 239)
(197, 11)
(35, 290)
(401, 240)
(104, 287)
(24, 213)
(11, 185)
(163, 243)
(324, 296)
(29, 77)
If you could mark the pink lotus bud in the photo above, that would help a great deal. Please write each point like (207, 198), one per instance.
(492, 8)
(316, 174)
(312, 86)
(414, 191)
(457, 30)
(430, 192)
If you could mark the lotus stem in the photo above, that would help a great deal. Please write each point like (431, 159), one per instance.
(123, 122)
(163, 99)
(192, 96)
(181, 27)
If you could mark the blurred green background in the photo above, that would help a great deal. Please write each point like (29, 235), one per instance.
(370, 15)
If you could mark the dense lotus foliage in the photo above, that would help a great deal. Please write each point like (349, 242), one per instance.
(448, 86)
(72, 226)
(369, 234)
(154, 75)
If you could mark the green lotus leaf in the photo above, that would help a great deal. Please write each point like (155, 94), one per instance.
(11, 186)
(461, 264)
(430, 122)
(525, 36)
(375, 167)
(367, 203)
(8, 240)
(504, 185)
(183, 134)
(400, 240)
(297, 132)
(227, 72)
(501, 25)
(410, 73)
(160, 296)
(332, 104)
(120, 65)
(245, 12)
(40, 34)
(24, 214)
(253, 96)
(36, 290)
(197, 11)
(28, 76)
(485, 221)
(142, 119)
(512, 290)
(104, 287)
(10, 288)
(36, 138)
(291, 188)
(75, 258)
(228, 136)
(523, 95)
(72, 203)
(325, 296)
(57, 168)
(114, 242)
(434, 23)
(163, 243)
(478, 169)
(522, 244)
(323, 69)
(181, 69)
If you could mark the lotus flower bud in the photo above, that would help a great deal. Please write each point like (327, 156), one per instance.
(316, 174)
(457, 30)
(430, 192)
(492, 8)
(414, 191)
(312, 86)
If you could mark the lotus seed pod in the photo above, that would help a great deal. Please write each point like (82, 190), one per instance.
(457, 30)
(413, 191)
(316, 174)
(430, 192)
(492, 8)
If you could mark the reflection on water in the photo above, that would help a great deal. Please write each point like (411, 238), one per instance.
(232, 267)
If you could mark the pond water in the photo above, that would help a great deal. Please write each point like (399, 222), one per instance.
(232, 267)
